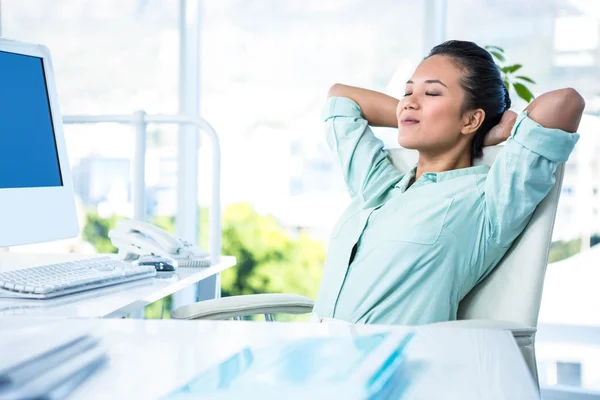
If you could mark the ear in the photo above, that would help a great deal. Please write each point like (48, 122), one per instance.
(471, 121)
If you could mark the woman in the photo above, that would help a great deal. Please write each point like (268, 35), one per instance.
(411, 246)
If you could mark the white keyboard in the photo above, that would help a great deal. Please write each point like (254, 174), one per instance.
(54, 280)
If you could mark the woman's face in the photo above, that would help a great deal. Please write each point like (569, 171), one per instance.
(429, 115)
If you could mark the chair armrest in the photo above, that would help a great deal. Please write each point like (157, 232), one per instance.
(241, 306)
(523, 334)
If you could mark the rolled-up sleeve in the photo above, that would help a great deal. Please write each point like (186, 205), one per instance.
(360, 154)
(522, 175)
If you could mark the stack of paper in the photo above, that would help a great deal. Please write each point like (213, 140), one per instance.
(359, 367)
(46, 361)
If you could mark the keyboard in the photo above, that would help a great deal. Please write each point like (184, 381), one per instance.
(53, 280)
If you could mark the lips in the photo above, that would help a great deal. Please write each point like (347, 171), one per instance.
(409, 121)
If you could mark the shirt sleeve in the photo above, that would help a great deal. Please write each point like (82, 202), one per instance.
(360, 154)
(522, 175)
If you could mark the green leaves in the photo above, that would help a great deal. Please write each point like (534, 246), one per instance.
(497, 52)
(511, 68)
(523, 92)
(524, 78)
(516, 82)
(499, 56)
(269, 259)
(500, 49)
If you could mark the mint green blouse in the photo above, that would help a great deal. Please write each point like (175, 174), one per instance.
(407, 256)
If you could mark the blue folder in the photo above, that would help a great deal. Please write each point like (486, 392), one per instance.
(353, 367)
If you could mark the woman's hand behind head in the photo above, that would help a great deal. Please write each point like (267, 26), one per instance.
(500, 132)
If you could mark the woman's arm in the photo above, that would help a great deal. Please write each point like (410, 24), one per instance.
(558, 109)
(523, 172)
(378, 109)
(367, 170)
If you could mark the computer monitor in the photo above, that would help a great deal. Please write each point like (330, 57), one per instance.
(36, 193)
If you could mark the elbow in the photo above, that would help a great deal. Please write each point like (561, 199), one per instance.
(559, 109)
(572, 106)
(336, 90)
(572, 101)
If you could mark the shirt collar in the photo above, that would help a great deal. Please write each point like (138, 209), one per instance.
(434, 177)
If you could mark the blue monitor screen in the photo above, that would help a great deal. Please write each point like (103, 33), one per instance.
(28, 156)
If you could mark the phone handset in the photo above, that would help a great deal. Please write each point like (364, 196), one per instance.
(137, 238)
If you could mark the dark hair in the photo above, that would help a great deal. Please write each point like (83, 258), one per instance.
(482, 83)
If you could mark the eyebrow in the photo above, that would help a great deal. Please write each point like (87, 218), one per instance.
(430, 81)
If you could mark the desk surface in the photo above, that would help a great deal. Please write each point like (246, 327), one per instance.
(112, 301)
(151, 358)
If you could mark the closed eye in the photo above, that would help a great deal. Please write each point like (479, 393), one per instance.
(428, 94)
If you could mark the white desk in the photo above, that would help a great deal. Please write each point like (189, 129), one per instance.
(151, 358)
(112, 301)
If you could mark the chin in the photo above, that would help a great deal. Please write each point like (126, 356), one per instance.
(406, 142)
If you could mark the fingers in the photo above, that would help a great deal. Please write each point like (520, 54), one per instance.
(501, 132)
(507, 117)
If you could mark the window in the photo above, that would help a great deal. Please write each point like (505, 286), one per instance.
(265, 66)
(110, 57)
(266, 69)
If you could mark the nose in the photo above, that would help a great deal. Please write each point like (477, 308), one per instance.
(410, 103)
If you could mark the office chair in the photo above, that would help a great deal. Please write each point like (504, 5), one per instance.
(509, 298)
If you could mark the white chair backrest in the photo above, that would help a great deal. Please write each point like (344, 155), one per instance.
(513, 291)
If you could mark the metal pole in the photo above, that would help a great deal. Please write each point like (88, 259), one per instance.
(138, 172)
(188, 142)
(215, 206)
(99, 119)
(186, 219)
